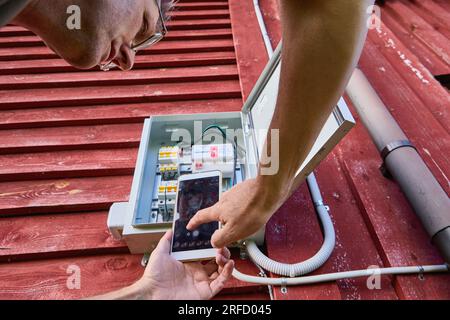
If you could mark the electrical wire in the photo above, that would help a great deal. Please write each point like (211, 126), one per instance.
(235, 147)
(341, 275)
(263, 274)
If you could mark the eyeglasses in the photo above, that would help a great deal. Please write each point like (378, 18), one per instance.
(155, 38)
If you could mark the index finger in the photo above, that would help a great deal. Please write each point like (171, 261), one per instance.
(204, 216)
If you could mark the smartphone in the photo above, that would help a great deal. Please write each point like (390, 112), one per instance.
(195, 192)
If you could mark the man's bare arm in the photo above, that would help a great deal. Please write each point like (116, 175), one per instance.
(322, 41)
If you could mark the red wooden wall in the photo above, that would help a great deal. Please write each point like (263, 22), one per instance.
(68, 143)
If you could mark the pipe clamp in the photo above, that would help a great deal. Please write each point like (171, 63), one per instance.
(388, 149)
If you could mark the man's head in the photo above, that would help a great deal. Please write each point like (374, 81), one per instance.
(109, 28)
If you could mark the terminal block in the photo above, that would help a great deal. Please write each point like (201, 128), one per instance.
(167, 193)
(169, 155)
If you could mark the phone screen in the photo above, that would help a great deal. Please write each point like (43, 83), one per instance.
(193, 196)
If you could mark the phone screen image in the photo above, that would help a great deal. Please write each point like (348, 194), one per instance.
(193, 196)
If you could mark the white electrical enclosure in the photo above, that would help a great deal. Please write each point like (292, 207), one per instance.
(141, 229)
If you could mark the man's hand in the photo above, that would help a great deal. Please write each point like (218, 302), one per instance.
(242, 211)
(166, 278)
(322, 43)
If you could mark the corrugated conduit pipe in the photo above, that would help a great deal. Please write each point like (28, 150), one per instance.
(315, 262)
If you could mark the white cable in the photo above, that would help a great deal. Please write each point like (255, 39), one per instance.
(315, 262)
(340, 275)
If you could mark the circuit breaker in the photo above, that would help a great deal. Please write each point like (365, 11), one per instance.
(232, 142)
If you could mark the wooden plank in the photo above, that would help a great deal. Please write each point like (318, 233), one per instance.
(433, 14)
(426, 56)
(250, 51)
(348, 254)
(415, 119)
(272, 18)
(35, 98)
(117, 77)
(12, 31)
(444, 4)
(109, 114)
(70, 138)
(201, 5)
(50, 236)
(34, 41)
(435, 98)
(67, 164)
(293, 235)
(199, 14)
(170, 47)
(142, 61)
(397, 232)
(420, 29)
(202, 34)
(47, 279)
(61, 196)
(418, 36)
(198, 24)
(349, 224)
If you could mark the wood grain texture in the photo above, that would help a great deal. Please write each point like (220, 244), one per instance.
(56, 97)
(397, 232)
(62, 195)
(68, 144)
(358, 237)
(99, 274)
(109, 114)
(294, 235)
(67, 164)
(142, 62)
(70, 138)
(119, 78)
(435, 97)
(416, 120)
(419, 28)
(49, 236)
(250, 50)
(405, 30)
(163, 47)
(63, 165)
(35, 41)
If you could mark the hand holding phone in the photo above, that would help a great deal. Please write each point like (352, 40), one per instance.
(195, 192)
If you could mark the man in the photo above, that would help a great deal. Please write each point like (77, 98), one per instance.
(323, 40)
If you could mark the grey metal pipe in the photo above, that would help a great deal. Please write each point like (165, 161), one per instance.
(428, 199)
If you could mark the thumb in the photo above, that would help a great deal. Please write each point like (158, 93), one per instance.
(164, 244)
(223, 237)
(204, 216)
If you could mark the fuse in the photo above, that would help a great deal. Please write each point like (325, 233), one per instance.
(167, 193)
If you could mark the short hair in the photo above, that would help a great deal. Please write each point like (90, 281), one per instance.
(166, 7)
